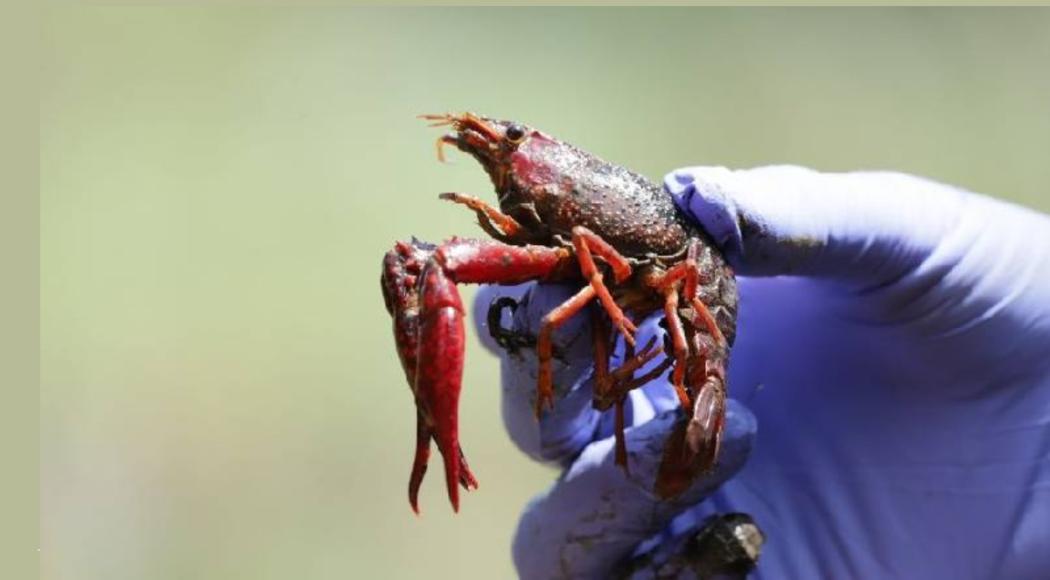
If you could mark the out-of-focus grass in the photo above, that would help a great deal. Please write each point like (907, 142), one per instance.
(221, 397)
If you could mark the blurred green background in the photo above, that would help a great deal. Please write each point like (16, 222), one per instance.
(221, 397)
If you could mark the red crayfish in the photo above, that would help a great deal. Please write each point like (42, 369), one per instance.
(567, 216)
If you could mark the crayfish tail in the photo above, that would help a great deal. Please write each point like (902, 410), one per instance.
(704, 433)
(678, 467)
(692, 448)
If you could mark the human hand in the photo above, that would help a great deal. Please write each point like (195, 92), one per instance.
(893, 343)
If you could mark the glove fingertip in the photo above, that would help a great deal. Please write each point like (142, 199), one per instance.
(700, 193)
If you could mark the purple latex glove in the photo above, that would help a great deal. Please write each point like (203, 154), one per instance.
(893, 343)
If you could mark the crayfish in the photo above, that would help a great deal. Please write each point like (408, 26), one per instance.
(569, 217)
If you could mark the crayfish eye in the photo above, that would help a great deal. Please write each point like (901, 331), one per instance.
(515, 134)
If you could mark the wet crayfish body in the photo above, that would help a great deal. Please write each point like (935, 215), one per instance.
(567, 216)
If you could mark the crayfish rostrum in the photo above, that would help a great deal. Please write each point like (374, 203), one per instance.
(567, 216)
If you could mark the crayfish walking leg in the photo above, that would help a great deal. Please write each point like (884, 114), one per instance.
(698, 377)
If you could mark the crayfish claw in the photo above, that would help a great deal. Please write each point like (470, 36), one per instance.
(419, 464)
(428, 329)
(466, 478)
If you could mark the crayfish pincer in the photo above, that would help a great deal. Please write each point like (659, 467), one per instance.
(567, 216)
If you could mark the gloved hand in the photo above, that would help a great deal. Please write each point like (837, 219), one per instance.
(894, 345)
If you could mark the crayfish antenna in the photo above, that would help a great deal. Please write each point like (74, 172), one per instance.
(443, 140)
(438, 119)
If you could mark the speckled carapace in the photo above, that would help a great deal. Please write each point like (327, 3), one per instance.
(567, 216)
